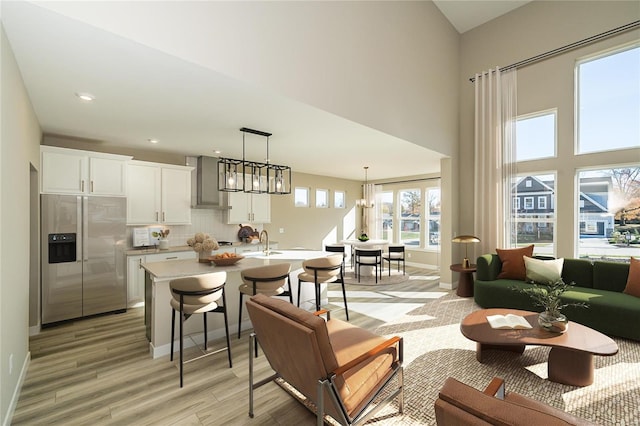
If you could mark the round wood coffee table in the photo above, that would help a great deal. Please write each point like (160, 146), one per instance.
(571, 356)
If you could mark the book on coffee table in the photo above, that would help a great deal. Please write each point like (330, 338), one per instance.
(508, 321)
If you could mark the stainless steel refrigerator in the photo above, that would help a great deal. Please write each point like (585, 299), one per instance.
(83, 270)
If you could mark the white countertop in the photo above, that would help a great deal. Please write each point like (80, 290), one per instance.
(175, 249)
(187, 267)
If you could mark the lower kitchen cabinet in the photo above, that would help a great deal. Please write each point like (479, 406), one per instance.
(135, 274)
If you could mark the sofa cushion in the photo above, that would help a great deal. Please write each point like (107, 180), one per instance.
(578, 271)
(543, 271)
(609, 312)
(633, 280)
(513, 262)
(610, 276)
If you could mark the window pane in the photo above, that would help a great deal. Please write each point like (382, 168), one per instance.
(301, 197)
(338, 199)
(536, 137)
(534, 223)
(322, 198)
(609, 213)
(410, 203)
(609, 102)
(433, 237)
(384, 201)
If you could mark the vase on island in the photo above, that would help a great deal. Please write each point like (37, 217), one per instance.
(203, 256)
(553, 321)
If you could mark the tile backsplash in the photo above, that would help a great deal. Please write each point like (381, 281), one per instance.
(212, 222)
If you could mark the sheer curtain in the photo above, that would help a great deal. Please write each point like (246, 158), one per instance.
(495, 115)
(369, 213)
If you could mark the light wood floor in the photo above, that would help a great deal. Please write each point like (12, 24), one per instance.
(98, 371)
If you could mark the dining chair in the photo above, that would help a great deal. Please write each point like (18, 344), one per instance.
(269, 280)
(368, 257)
(323, 270)
(337, 248)
(198, 294)
(395, 254)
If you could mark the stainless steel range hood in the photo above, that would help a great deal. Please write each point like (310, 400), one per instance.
(204, 184)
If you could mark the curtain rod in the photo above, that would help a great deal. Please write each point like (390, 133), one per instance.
(406, 181)
(568, 47)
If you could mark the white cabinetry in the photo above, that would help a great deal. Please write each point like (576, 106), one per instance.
(249, 208)
(71, 171)
(158, 193)
(135, 274)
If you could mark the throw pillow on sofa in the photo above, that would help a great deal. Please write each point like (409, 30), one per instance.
(633, 282)
(543, 271)
(513, 262)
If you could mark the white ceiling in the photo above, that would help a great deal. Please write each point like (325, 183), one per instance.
(142, 93)
(466, 15)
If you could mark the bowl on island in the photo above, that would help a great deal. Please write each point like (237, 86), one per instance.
(222, 260)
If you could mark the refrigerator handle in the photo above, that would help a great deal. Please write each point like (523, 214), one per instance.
(85, 228)
(79, 229)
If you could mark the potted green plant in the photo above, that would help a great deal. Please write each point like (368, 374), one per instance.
(363, 237)
(163, 242)
(548, 297)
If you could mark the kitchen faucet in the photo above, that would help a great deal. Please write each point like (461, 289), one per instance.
(266, 235)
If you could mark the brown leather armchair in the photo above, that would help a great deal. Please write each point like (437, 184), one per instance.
(337, 366)
(460, 404)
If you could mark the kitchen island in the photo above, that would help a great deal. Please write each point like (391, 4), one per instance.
(157, 295)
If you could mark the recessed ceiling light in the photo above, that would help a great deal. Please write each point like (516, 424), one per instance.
(217, 151)
(153, 140)
(87, 97)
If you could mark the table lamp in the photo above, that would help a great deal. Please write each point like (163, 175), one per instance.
(466, 240)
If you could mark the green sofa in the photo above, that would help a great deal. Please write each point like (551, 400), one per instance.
(599, 284)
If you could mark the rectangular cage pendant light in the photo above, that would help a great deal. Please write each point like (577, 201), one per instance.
(252, 176)
(230, 175)
(255, 175)
(279, 178)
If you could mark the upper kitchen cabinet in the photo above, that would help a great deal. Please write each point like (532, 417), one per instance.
(249, 208)
(71, 171)
(158, 193)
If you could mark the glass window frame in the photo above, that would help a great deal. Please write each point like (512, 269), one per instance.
(320, 195)
(553, 112)
(577, 101)
(297, 202)
(339, 199)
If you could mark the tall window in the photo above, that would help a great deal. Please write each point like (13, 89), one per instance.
(608, 101)
(534, 224)
(384, 201)
(433, 216)
(609, 213)
(410, 214)
(536, 136)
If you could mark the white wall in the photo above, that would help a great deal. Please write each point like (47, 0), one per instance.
(538, 27)
(19, 151)
(389, 65)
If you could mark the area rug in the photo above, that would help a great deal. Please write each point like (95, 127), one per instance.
(434, 349)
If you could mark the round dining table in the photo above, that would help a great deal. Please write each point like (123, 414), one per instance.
(369, 244)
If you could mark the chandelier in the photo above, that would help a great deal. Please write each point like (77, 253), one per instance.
(253, 176)
(365, 202)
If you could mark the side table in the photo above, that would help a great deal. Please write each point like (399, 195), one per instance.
(465, 283)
